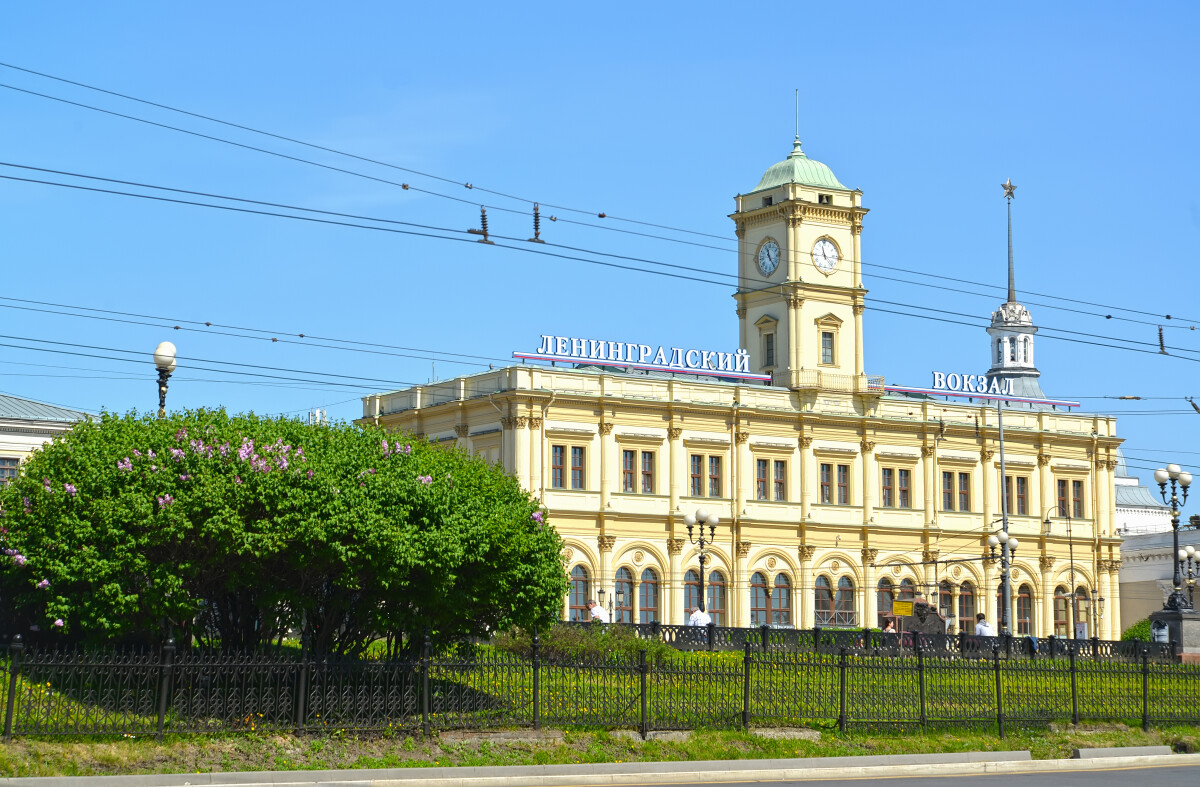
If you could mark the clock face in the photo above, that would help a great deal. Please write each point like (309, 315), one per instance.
(825, 256)
(768, 258)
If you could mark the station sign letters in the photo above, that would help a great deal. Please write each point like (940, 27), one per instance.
(971, 383)
(644, 356)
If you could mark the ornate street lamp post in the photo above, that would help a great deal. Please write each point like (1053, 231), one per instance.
(1180, 481)
(702, 519)
(1008, 550)
(164, 361)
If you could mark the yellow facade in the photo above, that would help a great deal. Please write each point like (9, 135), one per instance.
(821, 479)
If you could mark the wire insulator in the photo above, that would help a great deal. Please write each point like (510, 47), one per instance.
(537, 225)
(483, 224)
(1162, 349)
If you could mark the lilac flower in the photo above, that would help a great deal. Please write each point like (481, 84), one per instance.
(246, 450)
(386, 450)
(224, 450)
(425, 479)
(282, 462)
(177, 454)
(10, 552)
(58, 623)
(237, 479)
(406, 450)
(537, 517)
(185, 477)
(300, 455)
(197, 446)
(371, 471)
(181, 435)
(165, 500)
(137, 452)
(125, 464)
(45, 583)
(20, 559)
(28, 509)
(46, 484)
(153, 468)
(70, 489)
(310, 473)
(150, 453)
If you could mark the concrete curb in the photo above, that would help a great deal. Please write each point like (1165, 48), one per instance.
(602, 775)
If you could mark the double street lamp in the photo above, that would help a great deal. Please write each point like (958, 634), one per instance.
(1008, 550)
(702, 519)
(1180, 481)
(164, 361)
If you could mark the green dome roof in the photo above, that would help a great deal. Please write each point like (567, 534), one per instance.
(798, 168)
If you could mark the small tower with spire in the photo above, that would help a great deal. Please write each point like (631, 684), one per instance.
(1012, 330)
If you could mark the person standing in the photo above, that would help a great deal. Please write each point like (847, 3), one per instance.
(982, 627)
(699, 617)
(598, 612)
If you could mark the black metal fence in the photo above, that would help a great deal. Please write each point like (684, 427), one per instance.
(157, 693)
(870, 642)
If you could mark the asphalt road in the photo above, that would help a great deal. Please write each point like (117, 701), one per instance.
(1158, 776)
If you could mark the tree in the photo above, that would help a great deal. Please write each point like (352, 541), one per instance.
(130, 528)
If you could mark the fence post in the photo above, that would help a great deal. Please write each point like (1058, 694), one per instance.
(1095, 648)
(1145, 688)
(537, 683)
(999, 694)
(1053, 646)
(765, 632)
(712, 634)
(14, 669)
(1074, 690)
(921, 675)
(656, 629)
(644, 669)
(746, 687)
(164, 683)
(425, 700)
(962, 643)
(302, 687)
(816, 639)
(842, 699)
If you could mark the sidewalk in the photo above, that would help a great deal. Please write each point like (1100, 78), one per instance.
(687, 772)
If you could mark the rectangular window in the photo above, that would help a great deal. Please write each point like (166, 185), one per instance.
(964, 491)
(902, 483)
(8, 469)
(768, 349)
(1022, 495)
(577, 467)
(760, 479)
(843, 481)
(1062, 498)
(826, 481)
(697, 475)
(714, 476)
(887, 487)
(1077, 499)
(780, 480)
(627, 470)
(557, 454)
(947, 491)
(827, 347)
(647, 472)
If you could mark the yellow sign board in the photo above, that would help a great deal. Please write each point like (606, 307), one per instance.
(902, 608)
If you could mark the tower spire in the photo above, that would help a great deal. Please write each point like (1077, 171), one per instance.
(1009, 190)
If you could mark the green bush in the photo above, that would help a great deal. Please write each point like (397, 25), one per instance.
(595, 641)
(1139, 630)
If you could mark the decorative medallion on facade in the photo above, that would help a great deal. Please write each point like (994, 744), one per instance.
(771, 562)
(567, 554)
(835, 565)
(639, 556)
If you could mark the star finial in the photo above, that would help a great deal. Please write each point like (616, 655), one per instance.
(1009, 188)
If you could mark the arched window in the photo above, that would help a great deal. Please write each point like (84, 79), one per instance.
(759, 600)
(999, 351)
(691, 589)
(781, 601)
(884, 595)
(716, 597)
(1012, 349)
(623, 596)
(1083, 609)
(1062, 623)
(966, 607)
(908, 591)
(1024, 610)
(823, 600)
(946, 602)
(1028, 349)
(843, 603)
(648, 597)
(578, 599)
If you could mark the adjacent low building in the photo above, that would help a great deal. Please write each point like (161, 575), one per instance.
(26, 425)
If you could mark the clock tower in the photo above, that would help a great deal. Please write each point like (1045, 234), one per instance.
(800, 297)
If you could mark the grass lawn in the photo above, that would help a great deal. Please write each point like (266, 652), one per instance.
(249, 752)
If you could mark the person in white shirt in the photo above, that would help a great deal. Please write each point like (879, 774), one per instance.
(982, 627)
(598, 612)
(699, 617)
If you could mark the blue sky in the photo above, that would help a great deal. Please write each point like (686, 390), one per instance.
(657, 112)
